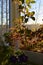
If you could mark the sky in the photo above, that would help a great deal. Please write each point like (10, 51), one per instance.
(37, 7)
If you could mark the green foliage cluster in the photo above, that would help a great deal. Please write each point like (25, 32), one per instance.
(5, 53)
(28, 14)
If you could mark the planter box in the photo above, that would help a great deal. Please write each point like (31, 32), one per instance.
(35, 57)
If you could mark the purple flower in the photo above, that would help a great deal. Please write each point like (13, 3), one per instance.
(13, 59)
(23, 58)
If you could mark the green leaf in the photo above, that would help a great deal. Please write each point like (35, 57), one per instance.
(21, 31)
(33, 1)
(21, 7)
(32, 13)
(26, 20)
(33, 18)
(22, 1)
(29, 5)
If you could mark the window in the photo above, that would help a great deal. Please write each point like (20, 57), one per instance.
(4, 12)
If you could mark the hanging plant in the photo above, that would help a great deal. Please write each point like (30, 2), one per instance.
(27, 13)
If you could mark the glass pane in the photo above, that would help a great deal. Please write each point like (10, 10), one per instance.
(4, 10)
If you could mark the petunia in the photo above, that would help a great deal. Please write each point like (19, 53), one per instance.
(22, 58)
(13, 59)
